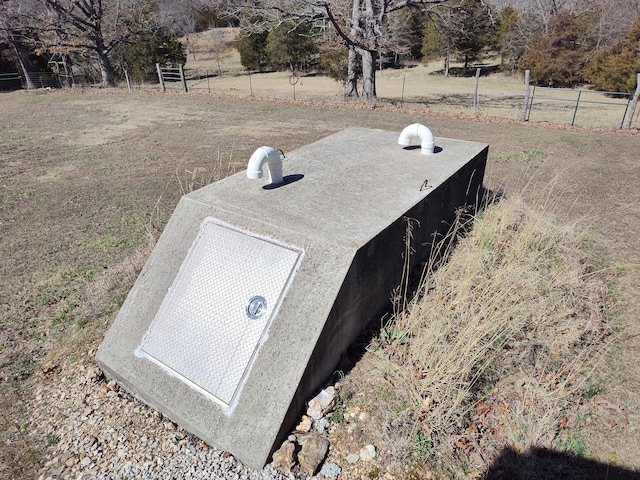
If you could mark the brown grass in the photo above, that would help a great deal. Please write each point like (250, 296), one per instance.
(85, 173)
(498, 341)
(191, 178)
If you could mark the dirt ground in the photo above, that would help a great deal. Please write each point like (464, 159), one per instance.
(85, 175)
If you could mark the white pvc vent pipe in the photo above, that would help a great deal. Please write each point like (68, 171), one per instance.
(274, 165)
(423, 133)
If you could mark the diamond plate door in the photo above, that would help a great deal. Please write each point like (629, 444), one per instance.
(213, 319)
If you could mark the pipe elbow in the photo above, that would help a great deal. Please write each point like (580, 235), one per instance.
(274, 164)
(425, 135)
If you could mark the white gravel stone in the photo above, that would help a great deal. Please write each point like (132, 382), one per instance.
(105, 434)
(367, 453)
(353, 458)
(330, 470)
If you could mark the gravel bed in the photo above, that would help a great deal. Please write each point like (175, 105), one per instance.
(91, 429)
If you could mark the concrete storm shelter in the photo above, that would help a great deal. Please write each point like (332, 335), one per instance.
(255, 290)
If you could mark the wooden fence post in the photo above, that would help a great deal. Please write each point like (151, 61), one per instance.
(575, 112)
(475, 92)
(159, 69)
(184, 82)
(527, 94)
(126, 76)
(632, 106)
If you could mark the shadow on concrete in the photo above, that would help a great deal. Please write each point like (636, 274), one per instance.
(543, 464)
(359, 347)
(436, 149)
(286, 180)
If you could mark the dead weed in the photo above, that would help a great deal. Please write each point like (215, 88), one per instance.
(493, 351)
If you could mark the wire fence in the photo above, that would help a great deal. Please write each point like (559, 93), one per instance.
(578, 107)
(44, 80)
(279, 85)
(490, 95)
(15, 81)
(494, 96)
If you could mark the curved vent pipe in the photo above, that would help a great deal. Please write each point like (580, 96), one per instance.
(274, 164)
(419, 131)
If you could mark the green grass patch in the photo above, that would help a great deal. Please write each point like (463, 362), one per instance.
(52, 439)
(571, 444)
(422, 444)
(532, 158)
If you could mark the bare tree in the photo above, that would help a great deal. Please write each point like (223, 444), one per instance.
(220, 45)
(614, 17)
(352, 65)
(179, 16)
(95, 27)
(16, 30)
(362, 26)
(605, 22)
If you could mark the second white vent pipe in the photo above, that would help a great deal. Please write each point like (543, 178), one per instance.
(274, 165)
(423, 133)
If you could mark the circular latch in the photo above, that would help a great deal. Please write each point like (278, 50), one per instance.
(256, 307)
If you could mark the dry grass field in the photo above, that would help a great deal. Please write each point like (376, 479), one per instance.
(88, 179)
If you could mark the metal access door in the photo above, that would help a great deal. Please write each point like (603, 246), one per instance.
(212, 321)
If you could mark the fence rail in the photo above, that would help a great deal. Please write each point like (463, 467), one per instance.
(33, 80)
(169, 75)
(583, 107)
(10, 81)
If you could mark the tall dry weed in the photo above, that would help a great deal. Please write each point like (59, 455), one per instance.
(498, 336)
(193, 178)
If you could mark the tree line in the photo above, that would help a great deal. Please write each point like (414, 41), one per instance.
(562, 43)
(96, 38)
